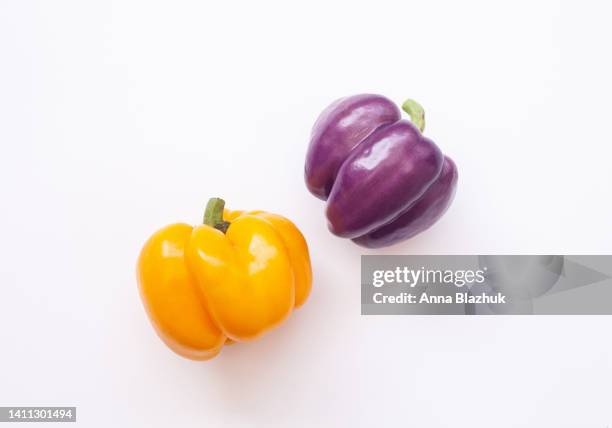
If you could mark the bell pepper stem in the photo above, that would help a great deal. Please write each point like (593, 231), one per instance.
(416, 113)
(213, 215)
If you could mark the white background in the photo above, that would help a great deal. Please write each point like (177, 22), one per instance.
(117, 118)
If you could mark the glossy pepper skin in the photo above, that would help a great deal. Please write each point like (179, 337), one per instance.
(229, 280)
(383, 181)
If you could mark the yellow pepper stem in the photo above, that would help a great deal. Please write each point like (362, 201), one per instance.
(213, 215)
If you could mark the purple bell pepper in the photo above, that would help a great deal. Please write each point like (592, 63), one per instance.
(383, 181)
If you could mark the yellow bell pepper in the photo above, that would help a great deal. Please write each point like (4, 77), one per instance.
(233, 278)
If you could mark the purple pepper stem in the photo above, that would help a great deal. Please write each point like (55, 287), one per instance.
(416, 113)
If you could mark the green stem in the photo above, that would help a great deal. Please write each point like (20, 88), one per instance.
(416, 113)
(213, 215)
